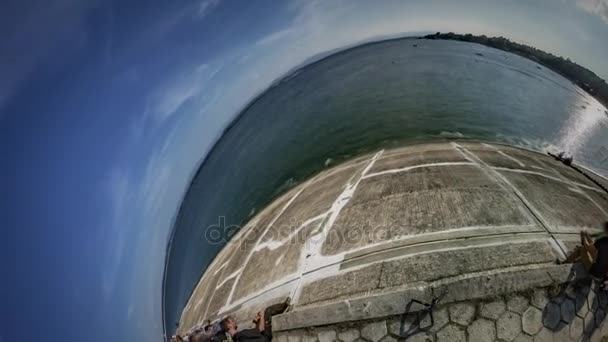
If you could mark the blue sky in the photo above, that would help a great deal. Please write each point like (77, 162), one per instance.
(108, 107)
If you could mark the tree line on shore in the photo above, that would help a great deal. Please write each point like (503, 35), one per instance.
(581, 76)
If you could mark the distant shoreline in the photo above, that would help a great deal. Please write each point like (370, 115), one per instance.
(577, 74)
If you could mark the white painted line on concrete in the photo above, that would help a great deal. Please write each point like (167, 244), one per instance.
(339, 203)
(464, 155)
(283, 284)
(441, 246)
(274, 244)
(336, 269)
(557, 179)
(512, 158)
(313, 249)
(211, 270)
(221, 267)
(228, 277)
(229, 299)
(577, 188)
(502, 179)
(408, 168)
(332, 265)
(505, 155)
(493, 174)
(601, 208)
(543, 169)
(518, 238)
(443, 235)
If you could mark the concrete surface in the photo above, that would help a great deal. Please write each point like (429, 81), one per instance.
(573, 312)
(359, 240)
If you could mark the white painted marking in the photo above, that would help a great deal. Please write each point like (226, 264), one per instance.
(408, 168)
(577, 189)
(285, 284)
(466, 156)
(314, 244)
(511, 158)
(228, 277)
(447, 233)
(279, 288)
(238, 277)
(221, 267)
(504, 154)
(540, 168)
(557, 179)
(274, 244)
(279, 259)
(511, 240)
(503, 181)
(339, 203)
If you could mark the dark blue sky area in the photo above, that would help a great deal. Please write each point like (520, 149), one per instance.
(108, 107)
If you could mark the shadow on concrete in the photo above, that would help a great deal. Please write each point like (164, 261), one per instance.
(420, 321)
(580, 299)
(414, 323)
(598, 314)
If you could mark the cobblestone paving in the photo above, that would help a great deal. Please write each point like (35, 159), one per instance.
(575, 312)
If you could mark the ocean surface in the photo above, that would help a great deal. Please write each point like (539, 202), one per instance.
(377, 95)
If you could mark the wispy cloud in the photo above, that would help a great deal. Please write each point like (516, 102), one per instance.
(119, 190)
(274, 37)
(597, 7)
(170, 96)
(207, 6)
(137, 198)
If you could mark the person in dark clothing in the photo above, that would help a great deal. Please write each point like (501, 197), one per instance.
(266, 316)
(229, 332)
(593, 255)
(262, 331)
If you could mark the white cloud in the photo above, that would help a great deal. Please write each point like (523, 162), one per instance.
(138, 200)
(597, 7)
(119, 190)
(207, 6)
(274, 37)
(170, 96)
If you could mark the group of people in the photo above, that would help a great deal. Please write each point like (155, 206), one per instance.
(226, 330)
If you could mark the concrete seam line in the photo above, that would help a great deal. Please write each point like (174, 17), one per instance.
(274, 244)
(519, 195)
(447, 234)
(451, 244)
(313, 250)
(409, 168)
(339, 311)
(229, 299)
(557, 179)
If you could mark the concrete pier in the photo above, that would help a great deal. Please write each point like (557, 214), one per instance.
(353, 245)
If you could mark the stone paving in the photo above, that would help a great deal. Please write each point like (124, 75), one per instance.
(573, 312)
(355, 241)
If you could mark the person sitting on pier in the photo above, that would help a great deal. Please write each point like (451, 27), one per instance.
(202, 334)
(229, 332)
(593, 255)
(262, 331)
